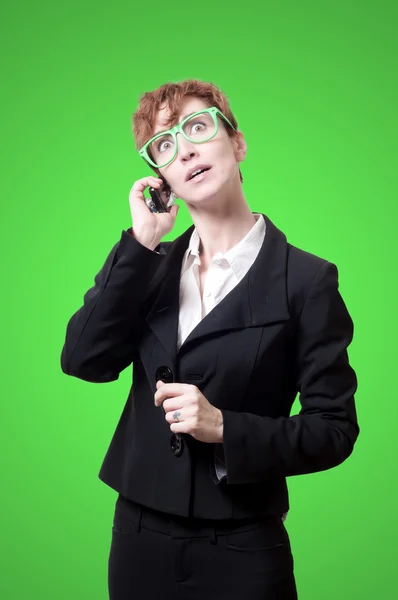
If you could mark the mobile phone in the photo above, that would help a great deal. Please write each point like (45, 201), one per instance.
(161, 198)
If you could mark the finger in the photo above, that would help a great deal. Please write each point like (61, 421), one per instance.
(174, 210)
(182, 427)
(155, 182)
(171, 416)
(162, 396)
(173, 388)
(172, 404)
(141, 184)
(164, 392)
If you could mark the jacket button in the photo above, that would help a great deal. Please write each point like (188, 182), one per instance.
(177, 444)
(164, 374)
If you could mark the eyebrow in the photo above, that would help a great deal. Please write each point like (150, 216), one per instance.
(182, 119)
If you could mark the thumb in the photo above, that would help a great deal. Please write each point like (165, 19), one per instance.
(174, 210)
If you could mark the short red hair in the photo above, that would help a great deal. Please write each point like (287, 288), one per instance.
(171, 95)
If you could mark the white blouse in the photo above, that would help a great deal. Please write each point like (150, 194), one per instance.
(224, 273)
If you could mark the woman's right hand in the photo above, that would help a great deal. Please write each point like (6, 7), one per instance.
(148, 227)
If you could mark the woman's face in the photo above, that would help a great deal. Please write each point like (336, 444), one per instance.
(222, 154)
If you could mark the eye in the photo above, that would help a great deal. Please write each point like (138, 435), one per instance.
(163, 146)
(197, 127)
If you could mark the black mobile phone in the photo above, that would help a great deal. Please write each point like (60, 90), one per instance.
(160, 198)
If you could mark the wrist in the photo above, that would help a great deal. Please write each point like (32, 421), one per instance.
(220, 428)
(148, 241)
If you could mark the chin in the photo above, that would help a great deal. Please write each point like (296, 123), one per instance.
(206, 192)
(206, 197)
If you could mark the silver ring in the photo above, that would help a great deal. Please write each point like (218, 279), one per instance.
(176, 415)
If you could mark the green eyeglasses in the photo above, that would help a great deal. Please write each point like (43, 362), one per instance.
(199, 127)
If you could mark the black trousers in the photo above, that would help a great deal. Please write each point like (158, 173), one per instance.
(158, 556)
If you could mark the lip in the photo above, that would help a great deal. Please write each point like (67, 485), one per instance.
(195, 169)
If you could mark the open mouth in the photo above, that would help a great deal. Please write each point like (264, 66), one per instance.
(199, 174)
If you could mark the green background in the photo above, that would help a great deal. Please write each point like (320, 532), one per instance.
(314, 88)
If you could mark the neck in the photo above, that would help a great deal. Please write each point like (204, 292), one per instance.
(222, 226)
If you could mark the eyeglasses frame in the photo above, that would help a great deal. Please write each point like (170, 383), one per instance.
(213, 111)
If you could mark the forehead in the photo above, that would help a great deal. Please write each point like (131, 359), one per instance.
(188, 106)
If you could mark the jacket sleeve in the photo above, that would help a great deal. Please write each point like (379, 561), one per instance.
(323, 434)
(102, 336)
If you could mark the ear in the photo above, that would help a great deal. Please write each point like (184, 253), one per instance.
(240, 146)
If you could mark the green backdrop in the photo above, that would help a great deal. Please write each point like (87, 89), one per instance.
(314, 88)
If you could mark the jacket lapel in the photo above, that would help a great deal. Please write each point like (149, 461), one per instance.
(163, 316)
(259, 299)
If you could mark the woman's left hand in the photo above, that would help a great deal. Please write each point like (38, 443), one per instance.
(196, 415)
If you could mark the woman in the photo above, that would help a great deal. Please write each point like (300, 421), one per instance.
(223, 327)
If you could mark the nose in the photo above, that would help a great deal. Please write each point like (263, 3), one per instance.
(186, 150)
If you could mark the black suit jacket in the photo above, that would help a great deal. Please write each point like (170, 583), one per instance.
(283, 329)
